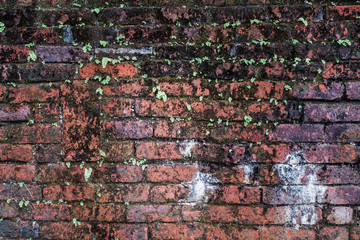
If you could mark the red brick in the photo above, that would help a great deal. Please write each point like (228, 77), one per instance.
(80, 118)
(165, 129)
(113, 70)
(350, 52)
(237, 195)
(168, 193)
(101, 213)
(339, 215)
(261, 216)
(16, 153)
(191, 213)
(130, 129)
(182, 15)
(46, 112)
(338, 233)
(270, 153)
(218, 153)
(177, 231)
(118, 152)
(298, 133)
(46, 212)
(343, 133)
(231, 232)
(158, 150)
(343, 12)
(48, 153)
(58, 173)
(353, 90)
(173, 174)
(134, 88)
(48, 72)
(125, 15)
(348, 70)
(65, 230)
(34, 93)
(222, 214)
(336, 112)
(43, 35)
(342, 195)
(266, 31)
(2, 92)
(331, 91)
(287, 13)
(241, 13)
(238, 132)
(177, 88)
(146, 34)
(9, 210)
(216, 110)
(35, 134)
(275, 232)
(318, 32)
(355, 233)
(121, 231)
(331, 153)
(263, 90)
(150, 213)
(234, 175)
(9, 172)
(124, 193)
(117, 107)
(14, 191)
(69, 192)
(159, 108)
(13, 54)
(117, 173)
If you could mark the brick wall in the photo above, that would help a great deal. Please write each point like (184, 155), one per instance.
(147, 119)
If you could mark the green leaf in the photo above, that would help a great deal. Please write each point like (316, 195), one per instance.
(102, 153)
(87, 174)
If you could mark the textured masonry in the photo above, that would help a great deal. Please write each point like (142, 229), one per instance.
(169, 119)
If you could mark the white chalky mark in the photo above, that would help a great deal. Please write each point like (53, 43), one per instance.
(201, 183)
(186, 148)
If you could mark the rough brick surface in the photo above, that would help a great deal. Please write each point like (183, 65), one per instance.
(169, 119)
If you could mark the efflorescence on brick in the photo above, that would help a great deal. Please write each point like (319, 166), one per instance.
(201, 119)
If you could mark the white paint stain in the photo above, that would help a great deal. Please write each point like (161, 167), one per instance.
(186, 147)
(200, 185)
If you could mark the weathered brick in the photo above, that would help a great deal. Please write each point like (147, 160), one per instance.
(68, 17)
(17, 173)
(158, 150)
(35, 134)
(179, 14)
(237, 195)
(65, 230)
(112, 70)
(29, 35)
(172, 174)
(177, 231)
(233, 14)
(118, 152)
(339, 215)
(353, 90)
(19, 229)
(102, 213)
(69, 192)
(168, 193)
(332, 91)
(324, 153)
(350, 52)
(14, 113)
(47, 212)
(13, 54)
(123, 193)
(184, 130)
(234, 175)
(136, 88)
(58, 173)
(238, 132)
(14, 191)
(231, 232)
(355, 233)
(56, 54)
(337, 175)
(270, 153)
(343, 133)
(298, 133)
(130, 130)
(125, 15)
(24, 17)
(15, 153)
(48, 153)
(223, 214)
(332, 112)
(276, 232)
(318, 32)
(340, 233)
(10, 73)
(150, 213)
(291, 194)
(46, 112)
(117, 173)
(343, 12)
(148, 34)
(121, 231)
(293, 13)
(348, 70)
(218, 153)
(33, 93)
(9, 210)
(47, 72)
(342, 195)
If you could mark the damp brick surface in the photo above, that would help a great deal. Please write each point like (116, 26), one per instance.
(168, 119)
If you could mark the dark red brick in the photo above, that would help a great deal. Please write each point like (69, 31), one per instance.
(343, 12)
(17, 173)
(348, 70)
(47, 212)
(134, 88)
(14, 113)
(332, 112)
(47, 72)
(33, 93)
(118, 152)
(9, 210)
(124, 193)
(332, 91)
(293, 13)
(14, 191)
(218, 153)
(184, 130)
(158, 150)
(58, 54)
(177, 231)
(353, 90)
(168, 193)
(117, 173)
(16, 153)
(65, 230)
(343, 133)
(342, 195)
(101, 213)
(121, 231)
(172, 174)
(331, 153)
(238, 132)
(13, 54)
(35, 134)
(130, 130)
(231, 232)
(237, 195)
(334, 233)
(69, 192)
(112, 70)
(277, 232)
(46, 112)
(150, 213)
(132, 16)
(59, 173)
(298, 133)
(19, 229)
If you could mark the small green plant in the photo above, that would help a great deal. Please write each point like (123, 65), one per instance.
(303, 21)
(87, 173)
(2, 26)
(247, 120)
